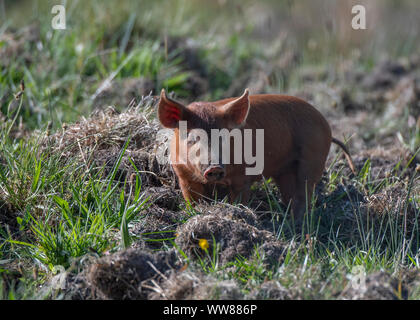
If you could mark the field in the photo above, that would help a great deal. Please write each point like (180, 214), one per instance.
(87, 211)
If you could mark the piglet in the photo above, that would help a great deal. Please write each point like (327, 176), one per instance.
(233, 142)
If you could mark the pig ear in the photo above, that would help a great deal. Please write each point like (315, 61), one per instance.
(236, 111)
(170, 112)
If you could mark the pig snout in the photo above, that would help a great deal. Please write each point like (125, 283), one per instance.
(214, 173)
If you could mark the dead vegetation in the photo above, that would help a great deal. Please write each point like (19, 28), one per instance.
(196, 286)
(128, 274)
(234, 236)
(377, 286)
(99, 140)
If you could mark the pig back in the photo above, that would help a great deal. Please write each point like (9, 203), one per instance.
(291, 126)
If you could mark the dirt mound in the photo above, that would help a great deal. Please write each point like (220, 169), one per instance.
(389, 199)
(149, 172)
(382, 202)
(398, 166)
(382, 163)
(269, 290)
(233, 236)
(379, 286)
(99, 140)
(164, 197)
(129, 274)
(107, 128)
(137, 274)
(393, 204)
(196, 286)
(410, 279)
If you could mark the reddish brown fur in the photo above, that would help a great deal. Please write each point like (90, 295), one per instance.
(297, 139)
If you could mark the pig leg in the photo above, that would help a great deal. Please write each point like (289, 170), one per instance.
(301, 202)
(308, 174)
(192, 191)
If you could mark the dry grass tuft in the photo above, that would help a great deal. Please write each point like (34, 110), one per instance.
(195, 286)
(129, 274)
(234, 236)
(378, 286)
(99, 140)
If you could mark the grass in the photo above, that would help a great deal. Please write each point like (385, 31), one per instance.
(56, 209)
(67, 218)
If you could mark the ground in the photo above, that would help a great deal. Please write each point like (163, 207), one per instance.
(88, 212)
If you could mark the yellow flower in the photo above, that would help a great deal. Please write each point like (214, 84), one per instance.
(204, 244)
